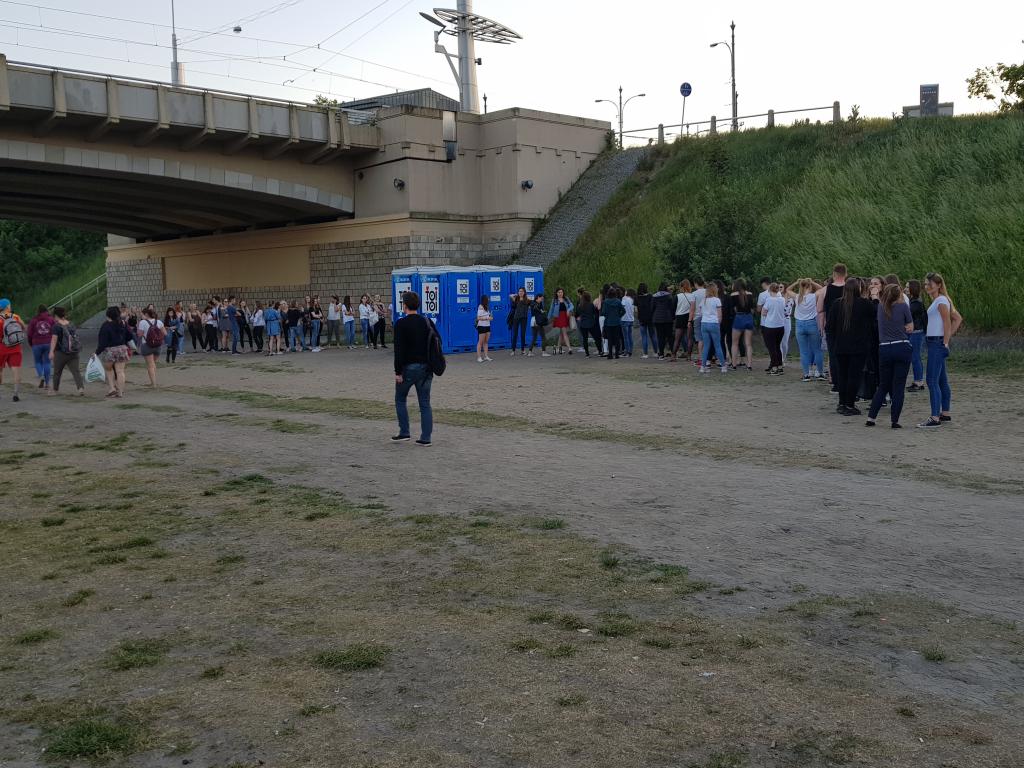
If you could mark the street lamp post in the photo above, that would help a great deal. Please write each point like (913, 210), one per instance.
(732, 56)
(620, 107)
(175, 66)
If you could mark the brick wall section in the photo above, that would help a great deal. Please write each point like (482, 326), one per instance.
(353, 268)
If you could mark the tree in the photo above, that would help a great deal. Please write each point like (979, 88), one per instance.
(1006, 79)
(323, 101)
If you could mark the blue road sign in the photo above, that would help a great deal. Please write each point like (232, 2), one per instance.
(686, 89)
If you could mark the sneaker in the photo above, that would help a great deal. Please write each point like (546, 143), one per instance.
(544, 354)
(929, 424)
(317, 349)
(897, 425)
(16, 399)
(488, 360)
(806, 378)
(644, 357)
(945, 418)
(479, 359)
(853, 411)
(870, 422)
(703, 369)
(725, 369)
(401, 438)
(530, 353)
(513, 353)
(423, 443)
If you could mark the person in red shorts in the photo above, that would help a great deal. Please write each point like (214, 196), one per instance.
(12, 334)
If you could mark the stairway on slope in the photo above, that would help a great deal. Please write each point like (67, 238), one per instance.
(578, 207)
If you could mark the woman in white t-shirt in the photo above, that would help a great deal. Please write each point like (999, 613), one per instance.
(483, 329)
(773, 322)
(803, 294)
(711, 329)
(349, 321)
(152, 332)
(683, 317)
(365, 310)
(943, 322)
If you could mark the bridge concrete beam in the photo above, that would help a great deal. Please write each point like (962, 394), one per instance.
(60, 107)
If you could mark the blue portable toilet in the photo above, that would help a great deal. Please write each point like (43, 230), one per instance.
(460, 296)
(402, 280)
(530, 278)
(496, 282)
(432, 301)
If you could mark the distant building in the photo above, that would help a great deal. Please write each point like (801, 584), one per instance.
(929, 105)
(422, 97)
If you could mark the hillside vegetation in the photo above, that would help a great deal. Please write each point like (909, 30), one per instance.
(903, 196)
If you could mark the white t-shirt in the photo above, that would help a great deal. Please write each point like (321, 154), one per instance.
(762, 297)
(146, 324)
(257, 319)
(807, 308)
(483, 317)
(347, 314)
(627, 305)
(683, 304)
(776, 314)
(364, 311)
(697, 300)
(709, 310)
(935, 326)
(333, 311)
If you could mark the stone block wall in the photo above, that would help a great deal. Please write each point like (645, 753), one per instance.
(351, 267)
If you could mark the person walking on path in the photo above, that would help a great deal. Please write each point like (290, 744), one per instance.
(895, 323)
(153, 333)
(12, 334)
(411, 344)
(943, 323)
(112, 350)
(64, 349)
(40, 334)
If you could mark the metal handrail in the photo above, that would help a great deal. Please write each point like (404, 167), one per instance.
(69, 300)
(726, 118)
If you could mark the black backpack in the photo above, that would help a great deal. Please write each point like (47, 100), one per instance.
(435, 356)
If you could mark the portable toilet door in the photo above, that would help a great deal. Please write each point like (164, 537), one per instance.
(461, 295)
(402, 280)
(530, 278)
(432, 302)
(497, 284)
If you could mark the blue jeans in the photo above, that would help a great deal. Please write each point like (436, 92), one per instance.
(295, 337)
(647, 335)
(41, 357)
(415, 375)
(366, 331)
(916, 344)
(234, 336)
(519, 331)
(181, 341)
(893, 364)
(939, 392)
(711, 335)
(350, 333)
(809, 338)
(627, 337)
(314, 336)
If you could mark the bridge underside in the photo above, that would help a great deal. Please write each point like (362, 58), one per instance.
(143, 207)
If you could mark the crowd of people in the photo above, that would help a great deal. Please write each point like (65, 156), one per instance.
(873, 332)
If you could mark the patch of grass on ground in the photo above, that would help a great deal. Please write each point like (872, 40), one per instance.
(135, 654)
(354, 657)
(36, 636)
(92, 738)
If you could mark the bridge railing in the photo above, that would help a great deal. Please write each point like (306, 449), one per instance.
(93, 288)
(719, 125)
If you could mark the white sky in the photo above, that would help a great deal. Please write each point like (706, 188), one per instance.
(792, 54)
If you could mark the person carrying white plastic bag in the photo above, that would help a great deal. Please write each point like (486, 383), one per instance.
(94, 370)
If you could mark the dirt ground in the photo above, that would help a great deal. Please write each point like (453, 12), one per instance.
(763, 582)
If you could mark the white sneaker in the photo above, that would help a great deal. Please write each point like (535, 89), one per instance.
(479, 359)
(644, 357)
(703, 369)
(488, 360)
(513, 353)
(317, 349)
(725, 369)
(530, 353)
(544, 354)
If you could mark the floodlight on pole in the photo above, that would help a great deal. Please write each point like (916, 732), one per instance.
(469, 28)
(620, 107)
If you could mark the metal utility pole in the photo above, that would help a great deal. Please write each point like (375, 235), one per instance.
(467, 58)
(619, 108)
(732, 56)
(176, 68)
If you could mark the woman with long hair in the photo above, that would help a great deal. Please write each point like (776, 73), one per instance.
(519, 320)
(662, 315)
(773, 322)
(644, 317)
(175, 327)
(742, 322)
(587, 323)
(112, 350)
(64, 349)
(943, 323)
(711, 329)
(728, 313)
(381, 326)
(258, 321)
(152, 332)
(808, 333)
(195, 328)
(852, 319)
(598, 304)
(894, 326)
(628, 318)
(210, 324)
(484, 318)
(348, 319)
(272, 317)
(683, 315)
(920, 315)
(561, 310)
(612, 312)
(364, 319)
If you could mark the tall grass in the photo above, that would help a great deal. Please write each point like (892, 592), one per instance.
(907, 196)
(88, 268)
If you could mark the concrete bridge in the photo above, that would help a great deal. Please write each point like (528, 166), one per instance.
(143, 159)
(217, 192)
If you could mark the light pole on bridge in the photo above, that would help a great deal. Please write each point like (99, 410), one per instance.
(621, 105)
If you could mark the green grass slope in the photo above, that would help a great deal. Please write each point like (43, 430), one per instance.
(904, 196)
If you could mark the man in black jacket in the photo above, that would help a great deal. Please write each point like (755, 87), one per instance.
(412, 369)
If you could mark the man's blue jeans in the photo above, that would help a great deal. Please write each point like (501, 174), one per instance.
(939, 392)
(808, 337)
(415, 375)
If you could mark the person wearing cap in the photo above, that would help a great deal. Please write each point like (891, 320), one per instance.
(10, 356)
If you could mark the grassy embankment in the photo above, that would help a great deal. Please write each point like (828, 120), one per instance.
(882, 196)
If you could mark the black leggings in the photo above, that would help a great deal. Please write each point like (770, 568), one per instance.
(595, 334)
(211, 338)
(538, 332)
(664, 331)
(614, 335)
(849, 375)
(172, 348)
(378, 332)
(257, 333)
(198, 339)
(773, 340)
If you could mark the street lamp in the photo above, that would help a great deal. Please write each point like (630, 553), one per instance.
(175, 66)
(619, 107)
(732, 55)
